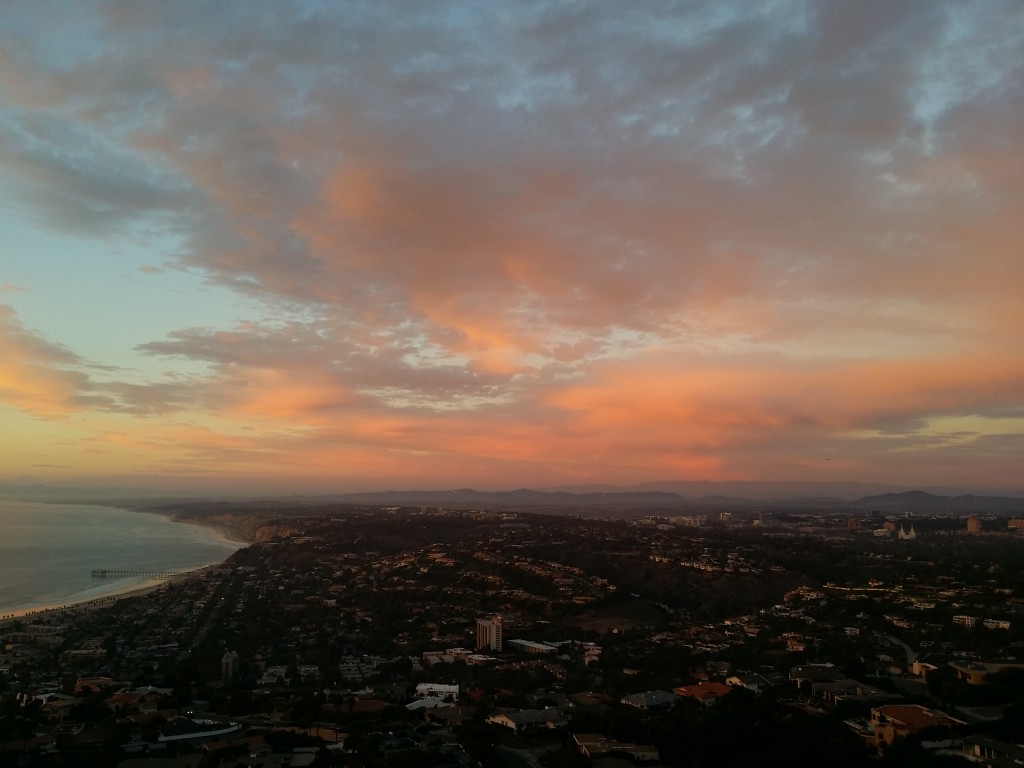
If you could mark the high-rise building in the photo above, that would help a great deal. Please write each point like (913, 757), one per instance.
(229, 665)
(973, 524)
(488, 634)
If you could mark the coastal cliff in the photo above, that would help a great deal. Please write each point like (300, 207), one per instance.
(248, 524)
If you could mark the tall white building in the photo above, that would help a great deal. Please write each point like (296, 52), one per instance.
(488, 634)
(229, 666)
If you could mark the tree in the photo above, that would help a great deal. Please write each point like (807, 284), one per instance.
(478, 739)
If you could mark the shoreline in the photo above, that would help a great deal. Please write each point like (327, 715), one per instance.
(226, 534)
(222, 534)
(94, 603)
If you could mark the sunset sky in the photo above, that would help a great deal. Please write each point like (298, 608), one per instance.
(339, 246)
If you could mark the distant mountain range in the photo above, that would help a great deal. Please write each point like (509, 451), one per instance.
(921, 501)
(753, 489)
(631, 500)
(671, 497)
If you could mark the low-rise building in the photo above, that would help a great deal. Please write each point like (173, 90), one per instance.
(528, 719)
(528, 646)
(649, 700)
(992, 753)
(442, 690)
(707, 693)
(895, 721)
(977, 672)
(593, 745)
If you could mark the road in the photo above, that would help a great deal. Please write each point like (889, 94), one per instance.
(911, 653)
(517, 758)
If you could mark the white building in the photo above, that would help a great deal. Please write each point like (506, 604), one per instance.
(488, 634)
(528, 646)
(440, 690)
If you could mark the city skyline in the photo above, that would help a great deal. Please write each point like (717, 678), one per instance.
(303, 247)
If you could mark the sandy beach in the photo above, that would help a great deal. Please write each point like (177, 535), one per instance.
(91, 604)
(130, 587)
(225, 532)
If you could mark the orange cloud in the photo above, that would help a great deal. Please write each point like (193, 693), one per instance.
(283, 395)
(35, 375)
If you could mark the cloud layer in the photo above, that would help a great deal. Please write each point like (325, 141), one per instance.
(527, 243)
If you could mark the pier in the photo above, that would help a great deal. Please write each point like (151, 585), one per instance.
(117, 573)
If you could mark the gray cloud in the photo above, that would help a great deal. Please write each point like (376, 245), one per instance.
(615, 151)
(400, 373)
(470, 205)
(50, 380)
(24, 344)
(79, 182)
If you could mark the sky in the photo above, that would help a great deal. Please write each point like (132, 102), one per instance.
(273, 246)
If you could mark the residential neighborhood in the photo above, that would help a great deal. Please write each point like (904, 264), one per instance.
(428, 636)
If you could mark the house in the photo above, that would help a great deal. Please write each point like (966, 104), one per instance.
(991, 753)
(589, 701)
(124, 700)
(977, 672)
(195, 730)
(836, 691)
(749, 680)
(440, 690)
(927, 662)
(427, 702)
(182, 761)
(593, 745)
(529, 719)
(895, 721)
(806, 674)
(56, 705)
(649, 700)
(706, 693)
(758, 682)
(528, 646)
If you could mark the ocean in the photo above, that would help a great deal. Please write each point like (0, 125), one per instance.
(48, 551)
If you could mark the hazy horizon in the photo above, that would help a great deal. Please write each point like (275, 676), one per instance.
(344, 247)
(751, 490)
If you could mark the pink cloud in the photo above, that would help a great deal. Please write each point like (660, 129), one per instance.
(533, 242)
(35, 375)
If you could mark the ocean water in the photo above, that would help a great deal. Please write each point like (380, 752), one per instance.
(48, 551)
